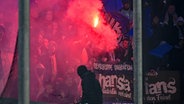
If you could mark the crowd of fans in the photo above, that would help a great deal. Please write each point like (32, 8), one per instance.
(49, 63)
(163, 36)
(168, 30)
(164, 27)
(55, 83)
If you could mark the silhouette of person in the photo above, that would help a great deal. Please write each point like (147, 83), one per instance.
(91, 90)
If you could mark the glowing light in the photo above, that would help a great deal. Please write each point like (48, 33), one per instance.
(96, 21)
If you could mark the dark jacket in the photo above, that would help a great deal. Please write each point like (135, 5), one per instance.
(91, 90)
(120, 53)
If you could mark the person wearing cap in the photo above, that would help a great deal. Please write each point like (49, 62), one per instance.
(91, 89)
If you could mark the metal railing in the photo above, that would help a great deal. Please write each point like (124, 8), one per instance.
(137, 54)
(23, 52)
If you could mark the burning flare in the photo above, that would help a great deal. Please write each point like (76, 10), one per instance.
(96, 21)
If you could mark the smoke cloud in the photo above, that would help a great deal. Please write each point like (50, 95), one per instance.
(63, 35)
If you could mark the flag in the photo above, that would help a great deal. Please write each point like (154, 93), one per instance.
(10, 91)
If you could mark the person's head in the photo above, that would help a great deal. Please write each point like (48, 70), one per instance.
(126, 4)
(125, 43)
(40, 37)
(81, 70)
(181, 43)
(45, 42)
(52, 46)
(49, 15)
(180, 21)
(156, 20)
(171, 9)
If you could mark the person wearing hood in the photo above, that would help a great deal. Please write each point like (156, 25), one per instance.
(91, 89)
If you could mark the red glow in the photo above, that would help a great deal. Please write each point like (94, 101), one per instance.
(86, 15)
(96, 21)
(79, 30)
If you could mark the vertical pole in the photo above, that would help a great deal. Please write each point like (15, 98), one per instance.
(23, 53)
(137, 39)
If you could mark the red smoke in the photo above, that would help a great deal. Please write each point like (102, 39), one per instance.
(83, 13)
(69, 24)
